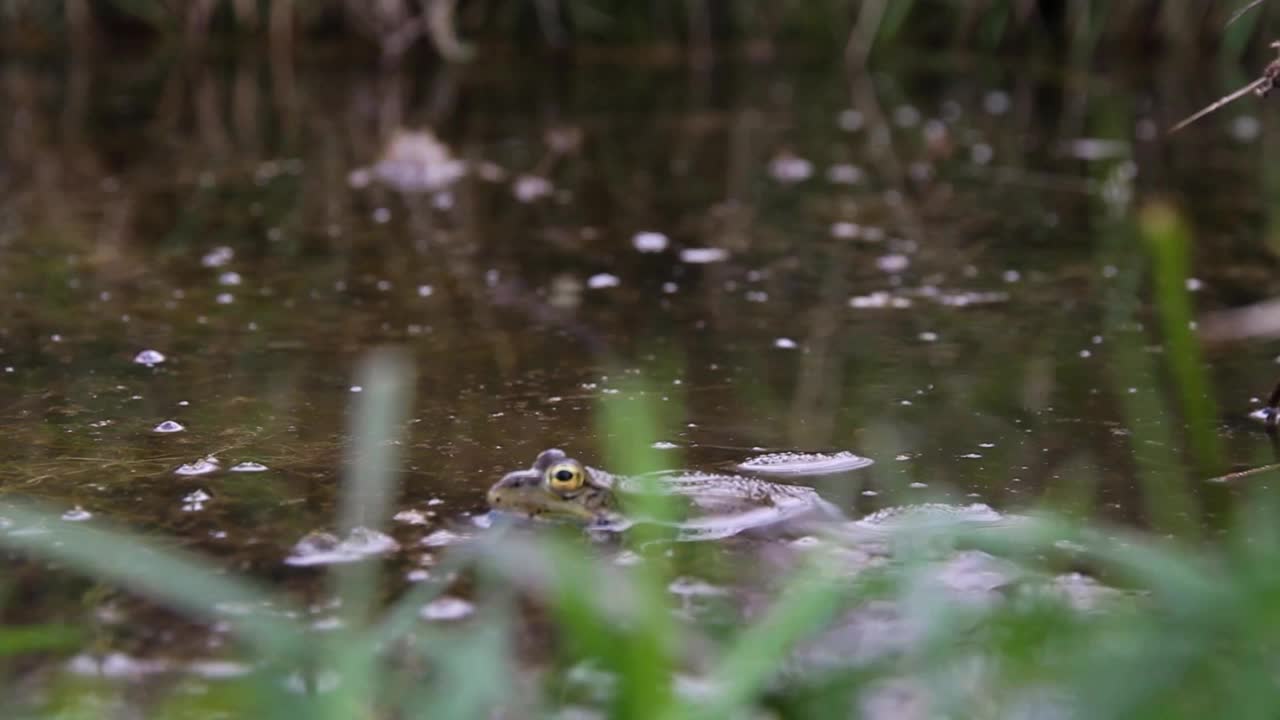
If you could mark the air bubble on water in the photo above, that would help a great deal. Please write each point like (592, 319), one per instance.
(319, 548)
(217, 257)
(442, 538)
(168, 426)
(787, 167)
(849, 120)
(150, 358)
(870, 493)
(425, 291)
(664, 445)
(845, 230)
(225, 298)
(971, 456)
(356, 389)
(76, 514)
(248, 467)
(757, 296)
(986, 445)
(893, 263)
(529, 188)
(902, 457)
(1245, 128)
(906, 116)
(1011, 276)
(229, 278)
(844, 174)
(600, 281)
(411, 517)
(649, 242)
(669, 287)
(194, 501)
(918, 485)
(1194, 284)
(417, 575)
(1085, 354)
(446, 608)
(905, 403)
(703, 256)
(203, 466)
(785, 343)
(382, 215)
(981, 154)
(997, 102)
(928, 336)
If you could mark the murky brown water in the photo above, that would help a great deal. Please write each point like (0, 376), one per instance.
(917, 266)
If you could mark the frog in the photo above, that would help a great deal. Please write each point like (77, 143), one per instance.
(708, 505)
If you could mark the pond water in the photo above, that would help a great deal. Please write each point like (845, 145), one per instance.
(928, 266)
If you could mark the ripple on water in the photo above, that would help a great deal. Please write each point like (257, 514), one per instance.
(793, 463)
(321, 548)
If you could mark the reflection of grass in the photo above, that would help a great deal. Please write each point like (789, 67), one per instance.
(1198, 638)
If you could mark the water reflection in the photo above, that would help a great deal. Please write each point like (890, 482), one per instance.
(912, 265)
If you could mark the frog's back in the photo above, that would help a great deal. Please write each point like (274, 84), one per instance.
(720, 505)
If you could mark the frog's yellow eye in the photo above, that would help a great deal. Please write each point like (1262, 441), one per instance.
(565, 477)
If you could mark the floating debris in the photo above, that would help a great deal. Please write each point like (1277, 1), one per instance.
(168, 426)
(414, 161)
(248, 467)
(878, 299)
(441, 538)
(150, 358)
(788, 167)
(412, 517)
(446, 608)
(600, 281)
(218, 257)
(77, 514)
(703, 256)
(649, 242)
(531, 188)
(194, 501)
(203, 466)
(799, 463)
(321, 548)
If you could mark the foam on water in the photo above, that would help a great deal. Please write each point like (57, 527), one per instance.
(796, 463)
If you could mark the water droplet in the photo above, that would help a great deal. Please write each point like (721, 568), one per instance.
(168, 426)
(150, 358)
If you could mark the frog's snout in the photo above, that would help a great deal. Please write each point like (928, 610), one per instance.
(510, 481)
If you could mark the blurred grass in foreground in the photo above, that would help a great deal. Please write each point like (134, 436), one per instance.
(1192, 632)
(1078, 29)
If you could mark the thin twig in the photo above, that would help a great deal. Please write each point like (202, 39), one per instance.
(1240, 13)
(1251, 87)
(1244, 473)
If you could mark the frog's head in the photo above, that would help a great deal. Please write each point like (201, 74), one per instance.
(557, 486)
